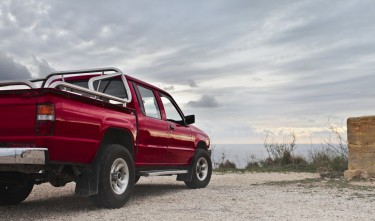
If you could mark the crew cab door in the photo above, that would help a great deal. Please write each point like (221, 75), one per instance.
(153, 133)
(180, 142)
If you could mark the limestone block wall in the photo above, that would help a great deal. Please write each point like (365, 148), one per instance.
(361, 140)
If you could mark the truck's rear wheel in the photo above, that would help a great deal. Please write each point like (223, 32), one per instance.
(116, 177)
(201, 170)
(11, 194)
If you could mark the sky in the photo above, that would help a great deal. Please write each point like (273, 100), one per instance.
(245, 68)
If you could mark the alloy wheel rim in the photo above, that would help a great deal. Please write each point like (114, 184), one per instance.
(202, 169)
(119, 176)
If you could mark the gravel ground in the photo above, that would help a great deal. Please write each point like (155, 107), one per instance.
(249, 196)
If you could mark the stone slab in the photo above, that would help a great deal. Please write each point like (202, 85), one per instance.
(361, 130)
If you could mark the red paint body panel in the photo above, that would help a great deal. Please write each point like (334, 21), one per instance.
(17, 115)
(181, 146)
(80, 125)
(152, 143)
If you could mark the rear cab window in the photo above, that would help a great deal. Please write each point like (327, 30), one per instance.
(112, 86)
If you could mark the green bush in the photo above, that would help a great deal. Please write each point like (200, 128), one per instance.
(252, 165)
(329, 162)
(280, 153)
(227, 165)
(339, 163)
(299, 160)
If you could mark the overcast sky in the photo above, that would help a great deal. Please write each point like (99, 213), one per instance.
(245, 68)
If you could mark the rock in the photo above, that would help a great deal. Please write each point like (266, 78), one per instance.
(351, 174)
(361, 130)
(368, 174)
(361, 140)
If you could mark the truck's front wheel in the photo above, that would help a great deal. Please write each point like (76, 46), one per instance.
(15, 193)
(201, 170)
(116, 177)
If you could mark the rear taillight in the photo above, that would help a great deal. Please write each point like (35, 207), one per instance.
(45, 119)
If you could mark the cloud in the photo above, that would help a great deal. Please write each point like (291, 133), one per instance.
(43, 67)
(11, 70)
(169, 88)
(273, 63)
(206, 101)
(191, 83)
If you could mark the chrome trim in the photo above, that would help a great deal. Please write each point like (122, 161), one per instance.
(13, 83)
(84, 72)
(23, 155)
(87, 71)
(56, 77)
(162, 172)
(82, 89)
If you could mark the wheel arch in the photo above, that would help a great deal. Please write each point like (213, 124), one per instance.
(87, 184)
(119, 136)
(201, 145)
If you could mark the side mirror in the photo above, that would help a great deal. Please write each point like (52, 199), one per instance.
(190, 119)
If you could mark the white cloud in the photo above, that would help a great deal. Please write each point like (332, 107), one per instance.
(206, 101)
(42, 67)
(259, 65)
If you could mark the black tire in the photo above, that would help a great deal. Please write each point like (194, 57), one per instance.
(15, 193)
(136, 179)
(200, 177)
(116, 177)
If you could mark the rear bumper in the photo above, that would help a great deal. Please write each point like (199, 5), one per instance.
(23, 155)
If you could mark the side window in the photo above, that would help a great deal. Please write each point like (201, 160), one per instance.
(170, 110)
(150, 106)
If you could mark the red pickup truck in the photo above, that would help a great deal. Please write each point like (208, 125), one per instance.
(98, 128)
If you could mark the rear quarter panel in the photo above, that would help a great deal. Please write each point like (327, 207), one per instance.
(80, 126)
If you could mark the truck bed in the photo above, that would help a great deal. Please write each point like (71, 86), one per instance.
(79, 126)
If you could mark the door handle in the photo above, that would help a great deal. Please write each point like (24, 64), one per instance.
(171, 127)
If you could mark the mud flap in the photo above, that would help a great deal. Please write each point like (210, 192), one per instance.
(185, 177)
(87, 184)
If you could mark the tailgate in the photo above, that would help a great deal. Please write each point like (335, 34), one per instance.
(17, 116)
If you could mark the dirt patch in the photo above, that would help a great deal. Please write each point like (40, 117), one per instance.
(233, 196)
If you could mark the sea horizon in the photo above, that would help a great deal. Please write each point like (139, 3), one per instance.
(241, 154)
